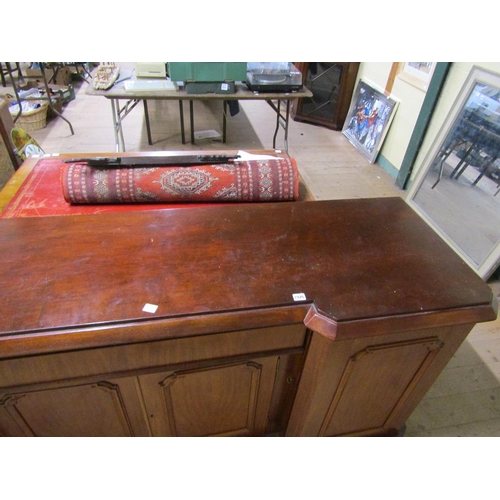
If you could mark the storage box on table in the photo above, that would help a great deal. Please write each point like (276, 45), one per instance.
(207, 71)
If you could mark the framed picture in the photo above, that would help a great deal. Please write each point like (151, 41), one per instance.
(368, 119)
(418, 74)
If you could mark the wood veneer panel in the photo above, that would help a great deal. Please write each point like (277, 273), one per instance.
(369, 386)
(106, 408)
(224, 400)
(357, 261)
(149, 355)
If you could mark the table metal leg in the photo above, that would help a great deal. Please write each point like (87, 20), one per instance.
(181, 117)
(148, 126)
(484, 169)
(281, 121)
(462, 165)
(53, 109)
(287, 121)
(278, 114)
(440, 174)
(4, 83)
(117, 126)
(119, 115)
(191, 120)
(224, 120)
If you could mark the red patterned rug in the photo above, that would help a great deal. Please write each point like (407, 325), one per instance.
(41, 194)
(240, 181)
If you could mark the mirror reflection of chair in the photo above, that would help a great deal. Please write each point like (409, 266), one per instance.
(455, 139)
(484, 145)
(480, 138)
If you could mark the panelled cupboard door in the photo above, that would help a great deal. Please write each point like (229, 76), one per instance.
(222, 400)
(105, 408)
(369, 386)
(375, 382)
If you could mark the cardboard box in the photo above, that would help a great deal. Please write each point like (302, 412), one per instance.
(63, 76)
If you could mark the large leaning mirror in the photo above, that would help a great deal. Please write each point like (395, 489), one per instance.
(457, 190)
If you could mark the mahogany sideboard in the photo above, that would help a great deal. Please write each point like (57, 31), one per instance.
(324, 318)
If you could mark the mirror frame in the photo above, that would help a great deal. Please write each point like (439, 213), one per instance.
(476, 75)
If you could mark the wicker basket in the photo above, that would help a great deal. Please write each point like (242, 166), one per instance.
(35, 119)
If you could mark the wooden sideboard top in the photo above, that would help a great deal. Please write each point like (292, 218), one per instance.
(361, 264)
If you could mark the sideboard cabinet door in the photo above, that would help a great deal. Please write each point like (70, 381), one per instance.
(231, 383)
(221, 400)
(105, 408)
(369, 386)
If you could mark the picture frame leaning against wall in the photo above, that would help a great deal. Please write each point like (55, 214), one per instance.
(369, 118)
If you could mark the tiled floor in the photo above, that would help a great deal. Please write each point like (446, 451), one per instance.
(465, 400)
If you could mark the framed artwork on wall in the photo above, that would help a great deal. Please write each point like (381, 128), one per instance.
(418, 74)
(369, 119)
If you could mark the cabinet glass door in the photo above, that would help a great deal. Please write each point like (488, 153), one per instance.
(323, 80)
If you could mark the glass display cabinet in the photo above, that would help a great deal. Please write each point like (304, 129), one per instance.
(332, 85)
